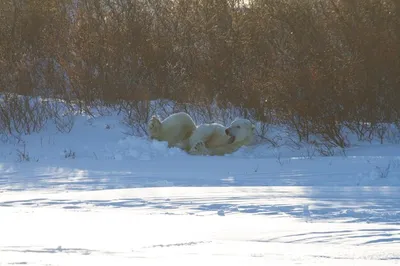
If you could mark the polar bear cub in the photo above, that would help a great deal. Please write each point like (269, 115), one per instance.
(216, 139)
(175, 129)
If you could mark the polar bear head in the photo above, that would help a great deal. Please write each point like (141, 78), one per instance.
(240, 131)
(154, 127)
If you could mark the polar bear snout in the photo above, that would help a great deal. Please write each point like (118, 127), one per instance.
(231, 135)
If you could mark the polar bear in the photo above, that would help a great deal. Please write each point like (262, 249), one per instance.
(216, 139)
(175, 129)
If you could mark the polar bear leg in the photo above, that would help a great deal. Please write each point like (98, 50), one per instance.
(199, 149)
(201, 134)
(183, 145)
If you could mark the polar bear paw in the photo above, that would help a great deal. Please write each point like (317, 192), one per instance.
(199, 149)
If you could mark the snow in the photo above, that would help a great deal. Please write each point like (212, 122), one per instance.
(97, 196)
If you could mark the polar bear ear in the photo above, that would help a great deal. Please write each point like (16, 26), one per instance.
(154, 117)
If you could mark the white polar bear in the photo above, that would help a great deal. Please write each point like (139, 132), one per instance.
(175, 129)
(216, 139)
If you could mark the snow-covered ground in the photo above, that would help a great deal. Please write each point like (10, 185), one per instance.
(96, 196)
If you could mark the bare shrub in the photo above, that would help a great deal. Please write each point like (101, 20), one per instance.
(63, 115)
(136, 116)
(313, 66)
(23, 115)
(363, 130)
(69, 154)
(23, 156)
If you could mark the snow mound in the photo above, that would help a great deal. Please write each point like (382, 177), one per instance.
(144, 149)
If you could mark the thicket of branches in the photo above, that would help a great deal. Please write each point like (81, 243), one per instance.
(314, 65)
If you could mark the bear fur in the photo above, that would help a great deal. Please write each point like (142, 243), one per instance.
(216, 139)
(176, 129)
